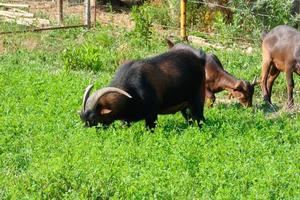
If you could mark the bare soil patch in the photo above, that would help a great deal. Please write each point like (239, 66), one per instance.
(30, 43)
(48, 10)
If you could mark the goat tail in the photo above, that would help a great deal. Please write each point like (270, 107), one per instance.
(263, 34)
(202, 57)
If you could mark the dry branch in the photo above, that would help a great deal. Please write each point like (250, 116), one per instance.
(201, 41)
(29, 21)
(12, 14)
(19, 10)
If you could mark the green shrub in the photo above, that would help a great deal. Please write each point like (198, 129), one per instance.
(143, 23)
(194, 15)
(95, 54)
(106, 49)
(249, 19)
(243, 27)
(83, 57)
(276, 11)
(165, 13)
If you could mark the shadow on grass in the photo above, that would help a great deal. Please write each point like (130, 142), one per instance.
(234, 105)
(267, 108)
(171, 126)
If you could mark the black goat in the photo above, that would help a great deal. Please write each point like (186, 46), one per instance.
(142, 89)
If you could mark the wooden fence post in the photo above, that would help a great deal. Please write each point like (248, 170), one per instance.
(94, 8)
(183, 19)
(87, 13)
(60, 15)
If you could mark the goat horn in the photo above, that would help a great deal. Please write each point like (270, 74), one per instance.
(255, 82)
(99, 93)
(86, 95)
(170, 43)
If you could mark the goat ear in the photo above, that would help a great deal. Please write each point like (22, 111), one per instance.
(105, 111)
(238, 86)
(170, 43)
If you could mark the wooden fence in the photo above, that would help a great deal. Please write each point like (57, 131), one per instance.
(15, 12)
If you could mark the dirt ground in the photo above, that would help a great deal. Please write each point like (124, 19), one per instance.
(48, 10)
(103, 15)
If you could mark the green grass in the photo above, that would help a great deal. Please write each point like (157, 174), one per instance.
(46, 153)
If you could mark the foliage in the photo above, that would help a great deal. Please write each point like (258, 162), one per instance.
(143, 23)
(106, 49)
(166, 13)
(231, 21)
(90, 54)
(243, 27)
(161, 13)
(271, 13)
(252, 18)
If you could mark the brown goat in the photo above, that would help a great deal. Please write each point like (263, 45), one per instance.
(217, 79)
(281, 53)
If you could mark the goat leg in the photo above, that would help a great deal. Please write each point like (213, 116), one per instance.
(211, 98)
(264, 77)
(151, 121)
(274, 72)
(197, 106)
(290, 86)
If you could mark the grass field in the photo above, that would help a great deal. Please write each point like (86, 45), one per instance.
(46, 153)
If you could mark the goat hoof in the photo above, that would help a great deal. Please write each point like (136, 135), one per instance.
(267, 100)
(290, 105)
(271, 106)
